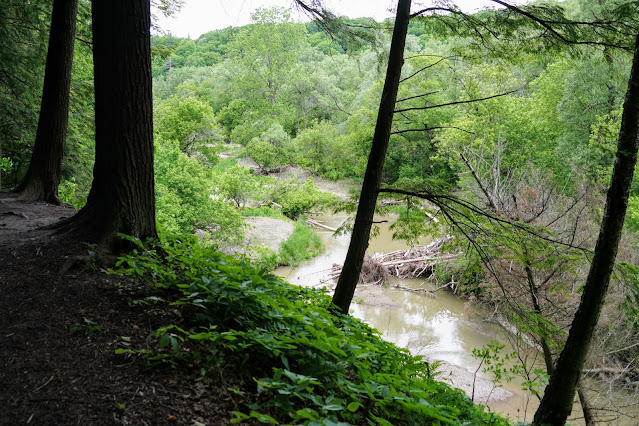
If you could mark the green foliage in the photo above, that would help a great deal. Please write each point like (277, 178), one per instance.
(88, 328)
(632, 215)
(263, 153)
(303, 244)
(492, 362)
(231, 115)
(183, 197)
(467, 271)
(68, 193)
(264, 57)
(6, 167)
(629, 275)
(24, 30)
(263, 211)
(322, 150)
(300, 200)
(314, 145)
(272, 148)
(187, 120)
(236, 184)
(412, 223)
(310, 366)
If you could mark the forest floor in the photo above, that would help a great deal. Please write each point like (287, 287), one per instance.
(58, 334)
(60, 327)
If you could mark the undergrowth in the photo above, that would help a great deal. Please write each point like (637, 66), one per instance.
(303, 244)
(309, 366)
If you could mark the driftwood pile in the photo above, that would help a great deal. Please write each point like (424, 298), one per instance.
(410, 263)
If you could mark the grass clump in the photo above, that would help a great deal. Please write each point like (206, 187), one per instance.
(303, 363)
(303, 244)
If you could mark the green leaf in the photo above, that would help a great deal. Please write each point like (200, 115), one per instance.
(353, 406)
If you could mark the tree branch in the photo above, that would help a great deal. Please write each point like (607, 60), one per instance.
(456, 102)
(491, 202)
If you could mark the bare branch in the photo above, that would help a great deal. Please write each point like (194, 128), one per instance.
(417, 96)
(426, 129)
(456, 102)
(422, 69)
(491, 203)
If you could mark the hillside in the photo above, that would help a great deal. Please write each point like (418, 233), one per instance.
(78, 348)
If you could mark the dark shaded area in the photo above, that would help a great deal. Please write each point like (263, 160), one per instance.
(59, 333)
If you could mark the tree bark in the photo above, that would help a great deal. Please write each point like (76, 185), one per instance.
(43, 176)
(557, 402)
(373, 177)
(122, 196)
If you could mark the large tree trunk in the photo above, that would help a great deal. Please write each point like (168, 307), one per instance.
(557, 402)
(43, 176)
(122, 197)
(373, 177)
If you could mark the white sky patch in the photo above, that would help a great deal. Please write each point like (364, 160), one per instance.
(201, 16)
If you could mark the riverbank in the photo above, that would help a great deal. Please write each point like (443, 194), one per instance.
(186, 344)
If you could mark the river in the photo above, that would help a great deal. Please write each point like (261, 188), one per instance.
(440, 327)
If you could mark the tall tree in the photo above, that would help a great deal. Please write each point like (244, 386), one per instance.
(122, 196)
(24, 32)
(265, 54)
(373, 176)
(43, 176)
(558, 397)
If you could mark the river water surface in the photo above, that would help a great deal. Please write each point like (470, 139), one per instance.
(440, 327)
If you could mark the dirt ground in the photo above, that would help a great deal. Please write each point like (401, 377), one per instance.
(267, 232)
(58, 334)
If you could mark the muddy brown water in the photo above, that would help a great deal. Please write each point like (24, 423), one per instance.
(442, 327)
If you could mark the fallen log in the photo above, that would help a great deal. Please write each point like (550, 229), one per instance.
(320, 225)
(410, 263)
(439, 259)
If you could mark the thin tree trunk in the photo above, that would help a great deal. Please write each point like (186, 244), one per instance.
(43, 176)
(557, 402)
(122, 197)
(543, 335)
(373, 177)
(586, 408)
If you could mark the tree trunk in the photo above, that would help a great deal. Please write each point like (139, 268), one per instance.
(373, 177)
(43, 176)
(557, 402)
(122, 196)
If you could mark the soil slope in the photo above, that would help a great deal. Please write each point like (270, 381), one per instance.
(58, 334)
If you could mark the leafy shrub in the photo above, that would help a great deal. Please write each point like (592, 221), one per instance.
(312, 366)
(303, 244)
(263, 153)
(183, 197)
(632, 217)
(69, 193)
(272, 148)
(467, 271)
(314, 145)
(186, 119)
(302, 199)
(236, 184)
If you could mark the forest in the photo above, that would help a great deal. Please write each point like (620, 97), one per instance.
(511, 134)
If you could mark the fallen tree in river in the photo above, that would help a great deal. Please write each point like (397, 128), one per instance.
(415, 262)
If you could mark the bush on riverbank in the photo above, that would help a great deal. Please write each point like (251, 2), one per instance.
(310, 366)
(303, 244)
